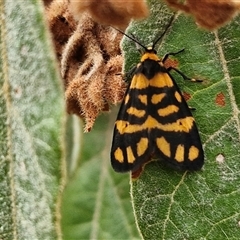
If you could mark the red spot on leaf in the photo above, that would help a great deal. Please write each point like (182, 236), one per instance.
(186, 96)
(136, 174)
(171, 63)
(220, 99)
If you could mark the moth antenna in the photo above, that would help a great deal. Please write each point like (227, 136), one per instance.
(131, 38)
(163, 33)
(137, 45)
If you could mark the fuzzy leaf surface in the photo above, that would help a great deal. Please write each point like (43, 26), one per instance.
(31, 124)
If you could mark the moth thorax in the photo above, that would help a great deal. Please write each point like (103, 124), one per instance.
(150, 54)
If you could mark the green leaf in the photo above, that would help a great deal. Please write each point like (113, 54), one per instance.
(31, 125)
(204, 204)
(96, 201)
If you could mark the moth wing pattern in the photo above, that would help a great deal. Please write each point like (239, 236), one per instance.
(178, 141)
(155, 120)
(132, 148)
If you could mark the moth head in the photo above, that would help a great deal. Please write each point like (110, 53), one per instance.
(151, 50)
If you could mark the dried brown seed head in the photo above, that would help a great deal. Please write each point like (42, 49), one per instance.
(110, 12)
(209, 14)
(61, 23)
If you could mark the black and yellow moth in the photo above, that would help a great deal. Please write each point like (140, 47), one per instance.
(154, 120)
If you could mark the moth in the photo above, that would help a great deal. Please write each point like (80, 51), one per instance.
(154, 119)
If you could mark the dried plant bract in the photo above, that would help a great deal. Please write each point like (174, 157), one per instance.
(90, 61)
(209, 14)
(61, 23)
(110, 12)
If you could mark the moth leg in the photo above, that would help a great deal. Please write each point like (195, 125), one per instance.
(183, 75)
(176, 70)
(171, 54)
